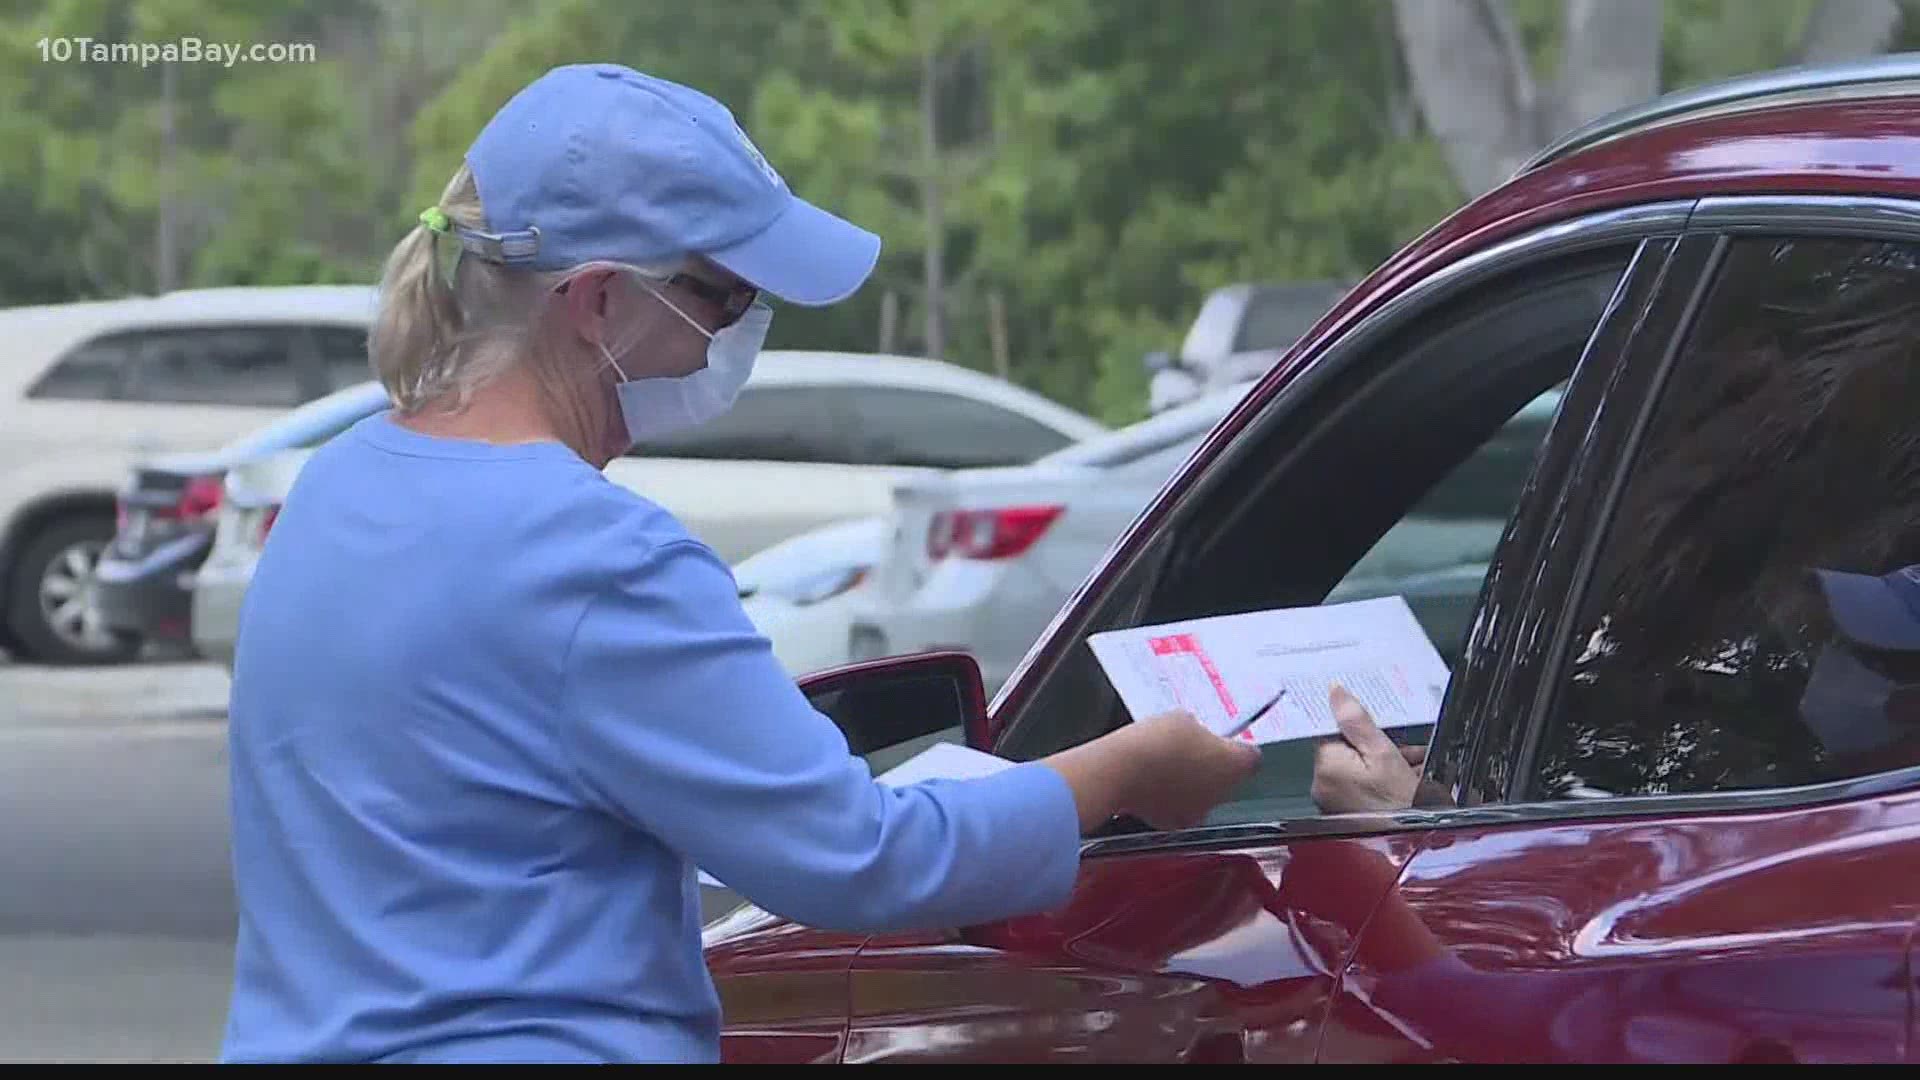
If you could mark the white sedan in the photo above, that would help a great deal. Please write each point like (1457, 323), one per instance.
(981, 559)
(801, 593)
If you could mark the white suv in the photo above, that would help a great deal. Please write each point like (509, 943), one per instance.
(89, 390)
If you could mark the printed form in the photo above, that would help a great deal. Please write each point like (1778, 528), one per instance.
(1223, 668)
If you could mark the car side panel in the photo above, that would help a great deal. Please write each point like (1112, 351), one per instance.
(783, 995)
(1773, 936)
(1197, 957)
(742, 507)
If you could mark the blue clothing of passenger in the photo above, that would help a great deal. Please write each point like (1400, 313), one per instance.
(489, 712)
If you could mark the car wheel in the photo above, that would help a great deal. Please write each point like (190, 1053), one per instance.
(48, 604)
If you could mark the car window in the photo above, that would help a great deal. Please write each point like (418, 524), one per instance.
(1786, 440)
(218, 365)
(1436, 557)
(766, 423)
(94, 371)
(904, 427)
(1403, 488)
(343, 355)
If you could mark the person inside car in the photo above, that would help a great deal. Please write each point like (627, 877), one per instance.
(1861, 702)
(491, 710)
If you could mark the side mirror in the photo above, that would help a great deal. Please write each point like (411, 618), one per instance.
(898, 706)
(1157, 361)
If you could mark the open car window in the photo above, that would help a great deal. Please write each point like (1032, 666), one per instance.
(1397, 476)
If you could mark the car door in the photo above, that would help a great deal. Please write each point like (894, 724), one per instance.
(1671, 838)
(1226, 943)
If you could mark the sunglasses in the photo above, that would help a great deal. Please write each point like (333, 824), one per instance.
(732, 300)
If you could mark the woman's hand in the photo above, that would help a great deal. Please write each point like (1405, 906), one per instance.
(1168, 770)
(1363, 770)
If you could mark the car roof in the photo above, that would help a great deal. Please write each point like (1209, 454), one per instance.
(1896, 75)
(37, 334)
(798, 367)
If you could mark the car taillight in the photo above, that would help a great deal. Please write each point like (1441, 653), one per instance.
(200, 497)
(988, 534)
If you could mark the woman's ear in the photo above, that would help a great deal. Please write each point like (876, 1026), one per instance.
(587, 301)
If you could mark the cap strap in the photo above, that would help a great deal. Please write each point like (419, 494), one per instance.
(520, 245)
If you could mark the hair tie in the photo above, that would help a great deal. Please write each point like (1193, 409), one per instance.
(434, 219)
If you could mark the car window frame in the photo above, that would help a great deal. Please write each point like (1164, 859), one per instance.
(1131, 566)
(1555, 603)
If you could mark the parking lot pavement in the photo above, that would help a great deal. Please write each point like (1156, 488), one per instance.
(111, 696)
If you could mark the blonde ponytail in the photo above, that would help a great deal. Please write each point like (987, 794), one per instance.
(423, 338)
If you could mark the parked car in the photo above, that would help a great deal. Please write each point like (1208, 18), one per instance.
(252, 493)
(1240, 330)
(801, 593)
(978, 560)
(144, 582)
(820, 437)
(90, 390)
(1633, 843)
(816, 440)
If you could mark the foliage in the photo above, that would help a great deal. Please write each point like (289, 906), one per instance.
(1097, 164)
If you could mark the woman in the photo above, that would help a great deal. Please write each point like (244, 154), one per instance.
(491, 710)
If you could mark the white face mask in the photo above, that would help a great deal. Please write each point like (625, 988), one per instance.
(662, 405)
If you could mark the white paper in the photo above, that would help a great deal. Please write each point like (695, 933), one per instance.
(941, 761)
(1222, 668)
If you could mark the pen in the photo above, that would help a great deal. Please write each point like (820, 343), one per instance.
(1256, 714)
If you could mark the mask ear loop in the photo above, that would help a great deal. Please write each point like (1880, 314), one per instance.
(684, 317)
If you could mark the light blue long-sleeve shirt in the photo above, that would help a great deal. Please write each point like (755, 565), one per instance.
(489, 711)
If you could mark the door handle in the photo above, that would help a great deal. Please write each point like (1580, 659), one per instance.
(1217, 1048)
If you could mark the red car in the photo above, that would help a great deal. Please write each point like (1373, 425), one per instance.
(1638, 840)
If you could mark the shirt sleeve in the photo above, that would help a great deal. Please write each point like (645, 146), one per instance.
(681, 721)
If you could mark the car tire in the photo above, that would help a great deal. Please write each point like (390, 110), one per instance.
(55, 568)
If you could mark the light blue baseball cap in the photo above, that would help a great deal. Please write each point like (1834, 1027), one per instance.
(596, 162)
